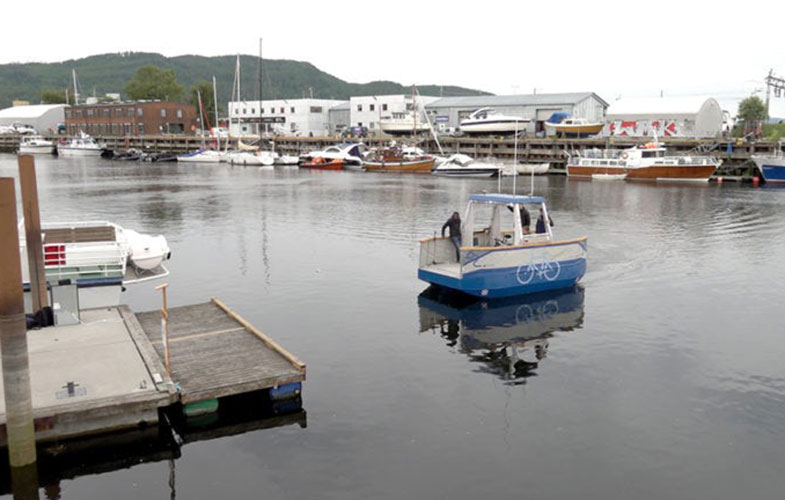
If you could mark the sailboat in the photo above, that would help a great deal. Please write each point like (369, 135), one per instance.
(203, 155)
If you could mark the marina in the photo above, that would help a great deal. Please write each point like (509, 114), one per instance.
(645, 395)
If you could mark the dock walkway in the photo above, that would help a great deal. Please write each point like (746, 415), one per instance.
(215, 353)
(108, 372)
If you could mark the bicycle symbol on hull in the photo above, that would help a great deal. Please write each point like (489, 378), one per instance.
(539, 265)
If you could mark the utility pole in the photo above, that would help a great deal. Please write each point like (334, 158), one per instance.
(775, 83)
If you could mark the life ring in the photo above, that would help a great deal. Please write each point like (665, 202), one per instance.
(624, 156)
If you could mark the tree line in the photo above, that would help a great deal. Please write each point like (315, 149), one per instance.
(149, 83)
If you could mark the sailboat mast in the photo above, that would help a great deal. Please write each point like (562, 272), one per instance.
(414, 111)
(76, 89)
(260, 90)
(201, 115)
(215, 101)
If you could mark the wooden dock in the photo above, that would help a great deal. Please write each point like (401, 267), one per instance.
(734, 153)
(215, 353)
(108, 373)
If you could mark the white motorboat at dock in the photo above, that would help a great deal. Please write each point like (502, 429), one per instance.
(98, 257)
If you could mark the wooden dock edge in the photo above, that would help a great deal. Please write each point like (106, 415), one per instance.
(147, 352)
(267, 340)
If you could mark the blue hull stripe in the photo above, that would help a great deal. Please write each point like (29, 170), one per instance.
(509, 281)
(773, 173)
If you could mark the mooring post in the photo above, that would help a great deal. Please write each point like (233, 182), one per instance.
(35, 252)
(13, 336)
(165, 325)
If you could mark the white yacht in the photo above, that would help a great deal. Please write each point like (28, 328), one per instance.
(35, 144)
(98, 257)
(82, 145)
(403, 123)
(486, 121)
(460, 165)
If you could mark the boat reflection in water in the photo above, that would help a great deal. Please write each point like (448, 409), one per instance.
(508, 336)
(70, 459)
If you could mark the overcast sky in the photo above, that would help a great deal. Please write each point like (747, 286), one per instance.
(614, 48)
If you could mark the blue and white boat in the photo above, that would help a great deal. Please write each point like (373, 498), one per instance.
(772, 167)
(503, 259)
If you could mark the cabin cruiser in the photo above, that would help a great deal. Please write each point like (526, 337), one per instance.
(486, 121)
(563, 125)
(99, 258)
(82, 145)
(403, 123)
(460, 165)
(35, 144)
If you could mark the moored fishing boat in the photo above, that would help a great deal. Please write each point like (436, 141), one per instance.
(35, 144)
(392, 159)
(646, 162)
(772, 167)
(496, 262)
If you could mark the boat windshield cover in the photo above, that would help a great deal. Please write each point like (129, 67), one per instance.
(506, 198)
(558, 117)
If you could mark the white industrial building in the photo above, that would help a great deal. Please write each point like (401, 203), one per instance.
(368, 111)
(693, 117)
(295, 117)
(44, 118)
(448, 112)
(340, 117)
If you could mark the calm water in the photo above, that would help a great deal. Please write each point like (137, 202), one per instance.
(660, 377)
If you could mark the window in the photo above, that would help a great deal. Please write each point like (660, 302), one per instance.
(115, 129)
(371, 107)
(283, 110)
(179, 113)
(253, 111)
(129, 112)
(140, 128)
(68, 113)
(316, 109)
(245, 111)
(359, 124)
(163, 112)
(384, 107)
(89, 112)
(359, 107)
(140, 112)
(272, 111)
(78, 113)
(371, 125)
(127, 128)
(292, 108)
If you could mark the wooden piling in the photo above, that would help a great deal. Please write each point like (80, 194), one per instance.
(13, 336)
(30, 211)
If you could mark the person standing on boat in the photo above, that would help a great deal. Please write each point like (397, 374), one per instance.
(454, 223)
(526, 219)
(541, 222)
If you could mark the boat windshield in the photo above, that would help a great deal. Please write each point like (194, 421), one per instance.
(493, 223)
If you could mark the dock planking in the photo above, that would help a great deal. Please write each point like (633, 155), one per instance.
(215, 353)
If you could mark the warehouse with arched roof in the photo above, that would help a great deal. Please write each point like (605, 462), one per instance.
(44, 118)
(695, 117)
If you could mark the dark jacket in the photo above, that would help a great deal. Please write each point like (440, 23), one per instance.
(454, 225)
(541, 224)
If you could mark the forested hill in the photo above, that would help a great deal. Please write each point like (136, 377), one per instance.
(281, 79)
